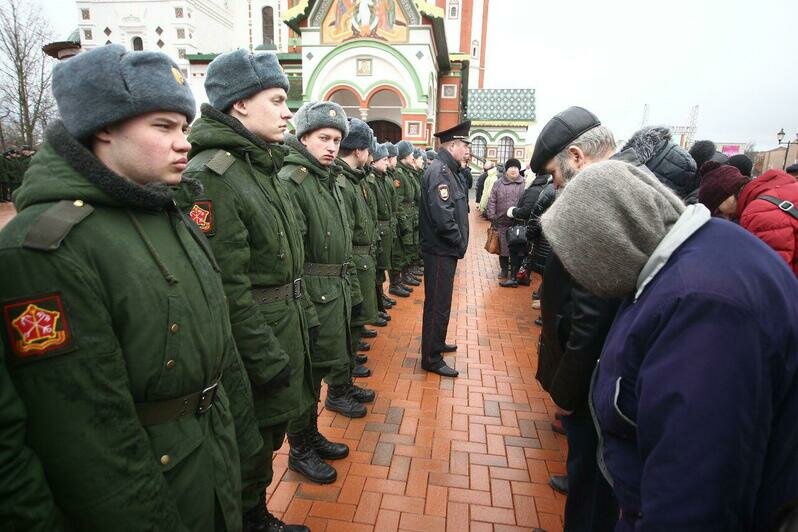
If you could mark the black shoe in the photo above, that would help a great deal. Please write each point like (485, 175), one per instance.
(384, 315)
(368, 333)
(559, 483)
(449, 348)
(524, 282)
(363, 346)
(398, 291)
(408, 289)
(389, 300)
(379, 322)
(362, 395)
(387, 304)
(305, 460)
(410, 280)
(417, 271)
(443, 371)
(339, 400)
(361, 359)
(361, 371)
(509, 283)
(536, 294)
(539, 322)
(259, 519)
(327, 450)
(503, 274)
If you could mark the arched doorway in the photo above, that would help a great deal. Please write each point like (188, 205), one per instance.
(138, 44)
(385, 105)
(348, 100)
(386, 131)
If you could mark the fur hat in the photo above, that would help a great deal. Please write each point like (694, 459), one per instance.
(380, 152)
(404, 149)
(109, 84)
(317, 115)
(392, 151)
(431, 155)
(742, 162)
(702, 151)
(359, 137)
(510, 163)
(239, 74)
(417, 153)
(653, 147)
(718, 182)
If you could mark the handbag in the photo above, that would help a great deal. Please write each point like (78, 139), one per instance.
(492, 244)
(516, 235)
(784, 205)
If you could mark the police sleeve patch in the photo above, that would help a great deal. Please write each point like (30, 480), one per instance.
(37, 327)
(443, 192)
(202, 215)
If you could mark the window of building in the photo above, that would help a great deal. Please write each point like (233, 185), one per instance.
(475, 49)
(85, 14)
(138, 44)
(479, 147)
(506, 146)
(267, 14)
(449, 91)
(181, 53)
(87, 34)
(178, 12)
(181, 33)
(454, 8)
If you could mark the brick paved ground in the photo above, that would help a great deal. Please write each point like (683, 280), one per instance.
(6, 213)
(433, 454)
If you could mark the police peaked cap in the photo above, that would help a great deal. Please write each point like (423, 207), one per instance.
(458, 132)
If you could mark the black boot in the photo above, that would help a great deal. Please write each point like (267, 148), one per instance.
(397, 290)
(259, 519)
(384, 315)
(363, 346)
(339, 400)
(362, 395)
(361, 359)
(361, 371)
(326, 449)
(368, 333)
(410, 280)
(379, 321)
(390, 301)
(305, 460)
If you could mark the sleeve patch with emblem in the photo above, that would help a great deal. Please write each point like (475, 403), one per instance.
(37, 326)
(202, 215)
(443, 192)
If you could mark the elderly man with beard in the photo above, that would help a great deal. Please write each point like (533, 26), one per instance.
(575, 323)
(696, 394)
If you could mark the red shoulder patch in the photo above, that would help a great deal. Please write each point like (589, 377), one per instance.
(37, 326)
(202, 214)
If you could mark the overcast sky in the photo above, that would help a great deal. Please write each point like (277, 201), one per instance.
(737, 60)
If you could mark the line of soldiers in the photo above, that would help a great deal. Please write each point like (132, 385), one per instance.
(171, 305)
(13, 164)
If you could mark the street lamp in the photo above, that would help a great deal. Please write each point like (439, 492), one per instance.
(780, 136)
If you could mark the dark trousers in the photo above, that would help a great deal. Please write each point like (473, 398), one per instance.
(504, 263)
(590, 505)
(256, 471)
(517, 254)
(438, 285)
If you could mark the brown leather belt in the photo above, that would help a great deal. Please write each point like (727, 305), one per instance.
(326, 270)
(197, 403)
(273, 294)
(361, 250)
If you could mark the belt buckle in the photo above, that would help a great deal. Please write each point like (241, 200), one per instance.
(206, 398)
(297, 288)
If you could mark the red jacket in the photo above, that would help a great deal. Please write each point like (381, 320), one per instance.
(775, 227)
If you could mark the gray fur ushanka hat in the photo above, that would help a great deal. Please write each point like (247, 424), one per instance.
(240, 74)
(360, 136)
(404, 149)
(392, 151)
(317, 115)
(109, 84)
(381, 152)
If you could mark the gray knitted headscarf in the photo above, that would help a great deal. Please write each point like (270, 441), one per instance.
(607, 223)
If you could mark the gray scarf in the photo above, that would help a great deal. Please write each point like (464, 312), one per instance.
(607, 222)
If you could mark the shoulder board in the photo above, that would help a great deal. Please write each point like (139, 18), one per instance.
(298, 174)
(341, 181)
(55, 223)
(220, 162)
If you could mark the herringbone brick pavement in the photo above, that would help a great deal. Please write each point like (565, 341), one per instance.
(435, 454)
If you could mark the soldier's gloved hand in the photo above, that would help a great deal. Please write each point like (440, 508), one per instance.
(357, 310)
(278, 382)
(313, 337)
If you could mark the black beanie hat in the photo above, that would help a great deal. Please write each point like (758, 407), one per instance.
(742, 162)
(512, 162)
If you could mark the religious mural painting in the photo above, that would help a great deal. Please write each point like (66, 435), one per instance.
(353, 19)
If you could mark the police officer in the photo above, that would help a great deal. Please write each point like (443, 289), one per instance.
(443, 215)
(116, 329)
(249, 219)
(329, 271)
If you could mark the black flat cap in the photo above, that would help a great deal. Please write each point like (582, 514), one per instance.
(458, 132)
(792, 169)
(559, 132)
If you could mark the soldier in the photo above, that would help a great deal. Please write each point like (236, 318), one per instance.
(444, 238)
(116, 333)
(249, 220)
(311, 176)
(386, 222)
(408, 212)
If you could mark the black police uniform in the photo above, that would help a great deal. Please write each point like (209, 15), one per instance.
(443, 226)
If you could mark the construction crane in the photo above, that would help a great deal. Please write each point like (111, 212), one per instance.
(644, 122)
(686, 134)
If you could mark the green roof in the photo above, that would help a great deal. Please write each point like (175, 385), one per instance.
(501, 104)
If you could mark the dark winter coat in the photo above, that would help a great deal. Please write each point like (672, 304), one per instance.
(505, 194)
(575, 324)
(534, 232)
(443, 212)
(529, 198)
(776, 228)
(697, 389)
(480, 185)
(654, 148)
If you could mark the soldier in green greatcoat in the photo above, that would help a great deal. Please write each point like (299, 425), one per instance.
(382, 189)
(398, 259)
(409, 191)
(250, 222)
(361, 211)
(116, 333)
(316, 185)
